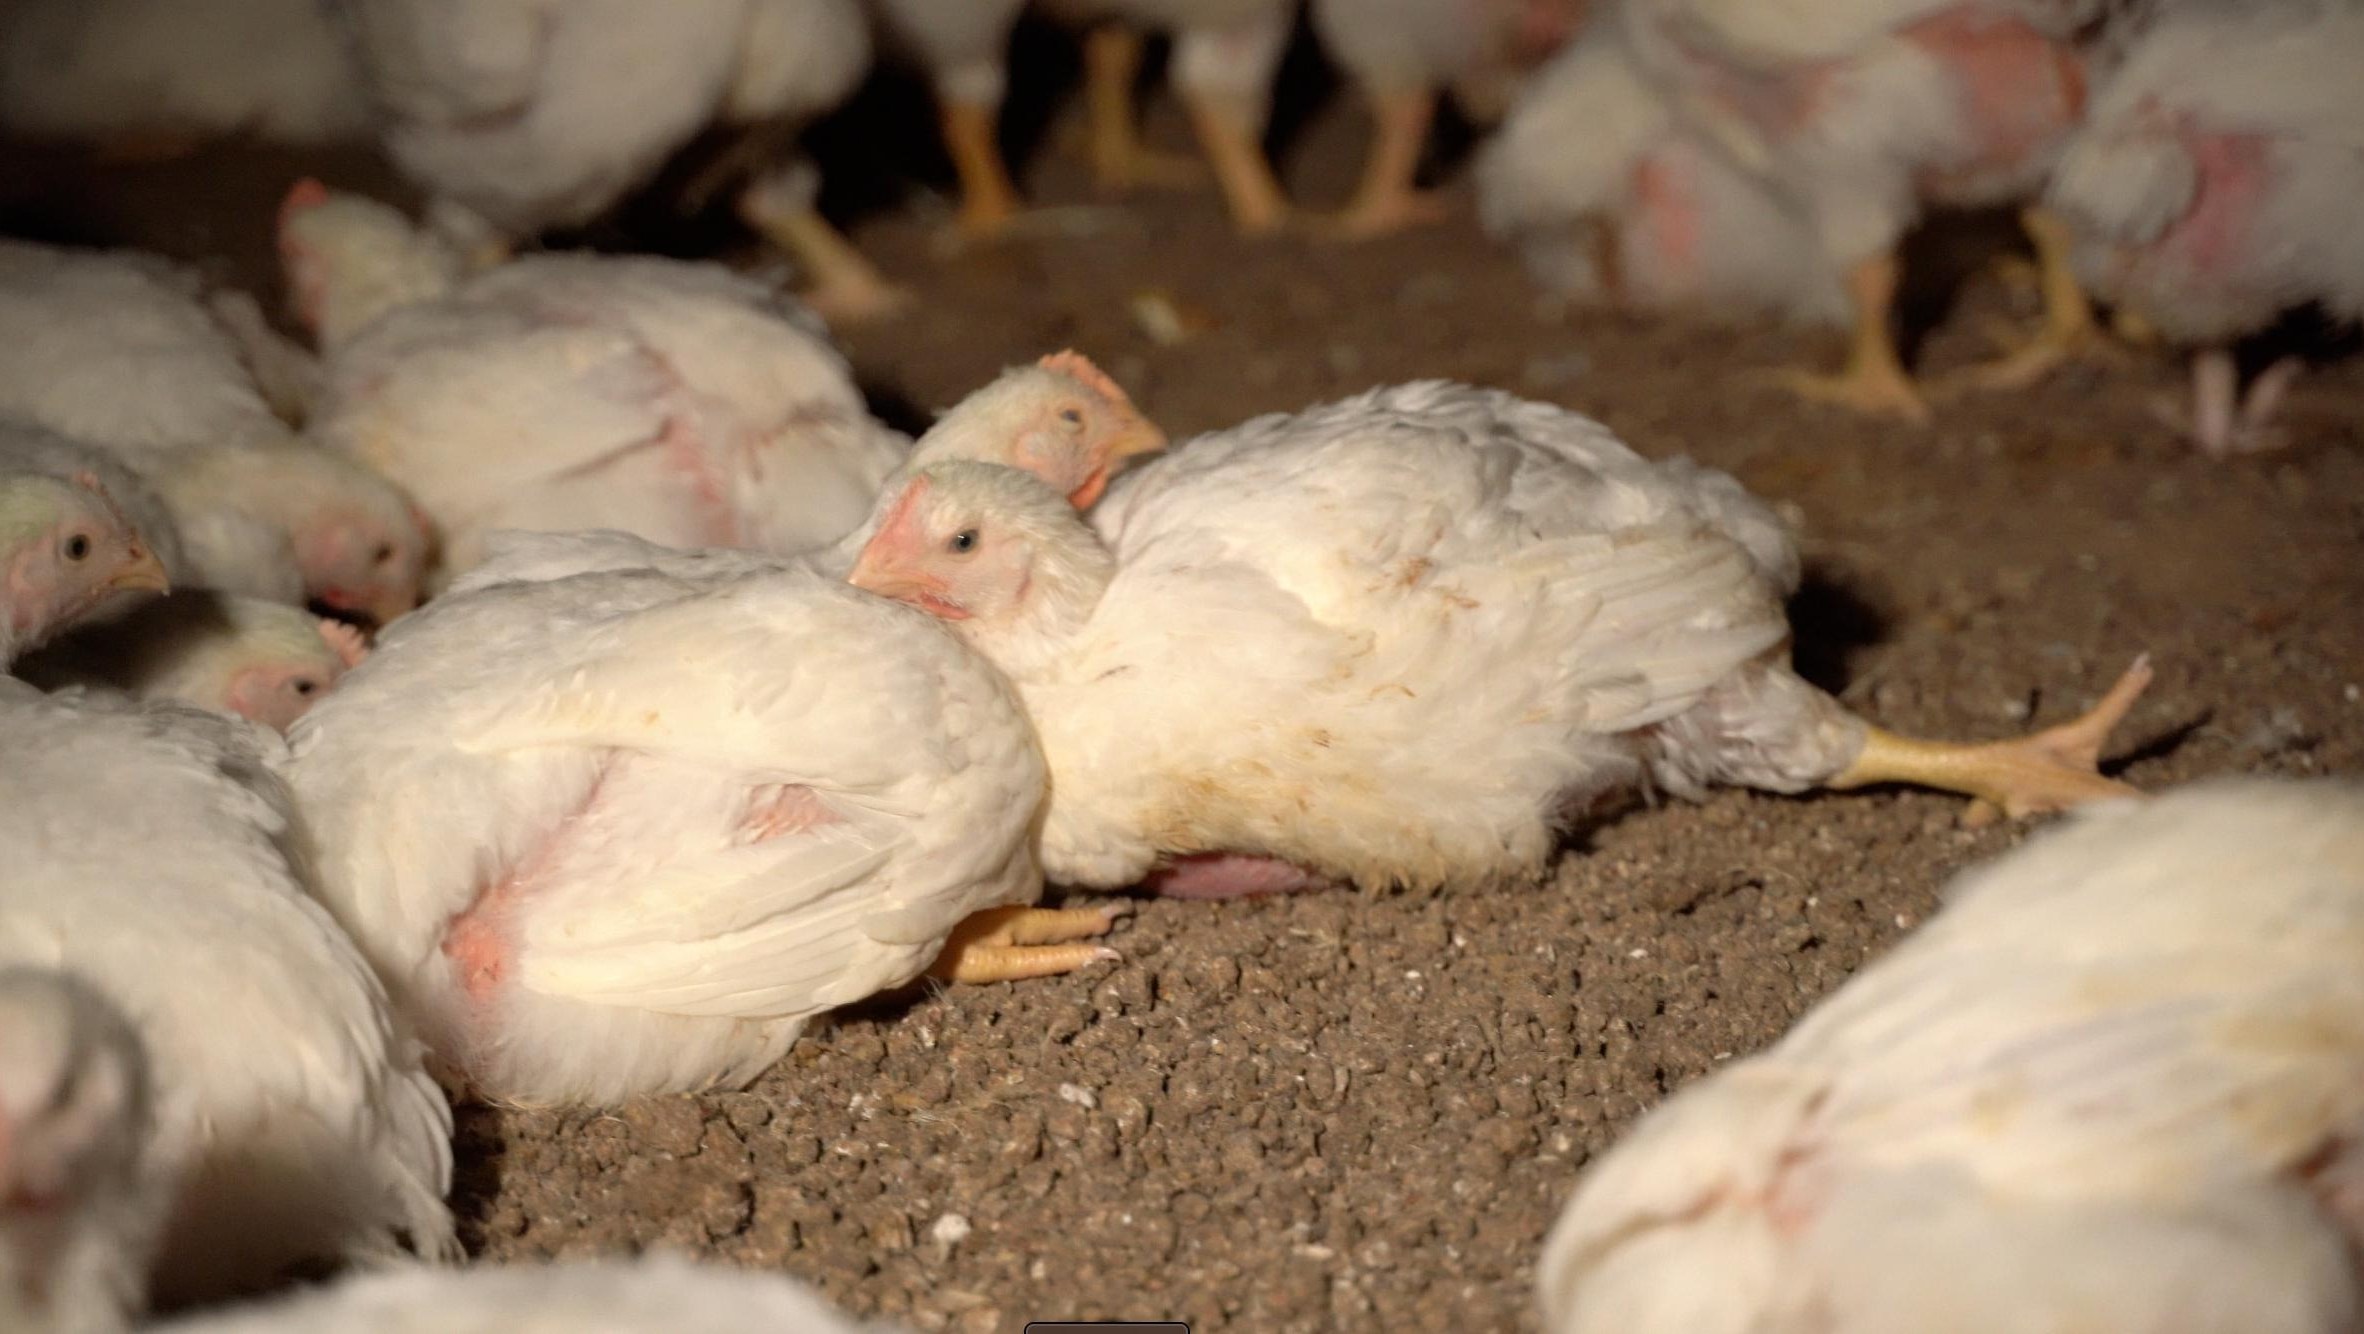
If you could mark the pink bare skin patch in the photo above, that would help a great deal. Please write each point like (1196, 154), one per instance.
(782, 809)
(1670, 220)
(1230, 875)
(477, 939)
(2020, 89)
(2215, 234)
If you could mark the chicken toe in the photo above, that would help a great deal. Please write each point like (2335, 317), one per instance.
(1009, 944)
(1120, 160)
(2069, 330)
(1874, 380)
(1388, 200)
(844, 285)
(2051, 770)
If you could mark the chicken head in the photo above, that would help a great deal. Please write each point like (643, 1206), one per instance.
(64, 549)
(1062, 419)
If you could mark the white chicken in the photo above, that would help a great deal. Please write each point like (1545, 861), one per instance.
(625, 831)
(661, 1294)
(2116, 1084)
(1861, 112)
(1611, 197)
(2215, 187)
(139, 75)
(150, 849)
(68, 549)
(1401, 52)
(677, 401)
(79, 1211)
(263, 661)
(520, 116)
(1396, 639)
(122, 350)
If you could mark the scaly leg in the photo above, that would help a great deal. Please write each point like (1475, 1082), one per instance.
(1387, 200)
(1874, 380)
(1231, 133)
(988, 198)
(2050, 770)
(1120, 161)
(2256, 432)
(843, 284)
(1007, 944)
(2216, 392)
(2069, 329)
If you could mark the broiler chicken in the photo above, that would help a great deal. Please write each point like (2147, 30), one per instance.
(2116, 1084)
(79, 1211)
(1402, 52)
(2216, 185)
(676, 401)
(1613, 198)
(150, 849)
(140, 77)
(68, 550)
(658, 1294)
(122, 350)
(1395, 640)
(617, 822)
(263, 661)
(520, 116)
(1862, 112)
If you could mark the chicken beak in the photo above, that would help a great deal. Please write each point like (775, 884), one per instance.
(876, 573)
(141, 572)
(1140, 437)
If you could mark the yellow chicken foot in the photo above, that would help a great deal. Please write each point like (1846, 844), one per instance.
(1387, 200)
(1874, 380)
(2051, 770)
(843, 285)
(1008, 944)
(988, 197)
(1120, 161)
(1231, 135)
(2068, 330)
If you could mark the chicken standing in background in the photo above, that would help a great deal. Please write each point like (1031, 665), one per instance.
(121, 350)
(79, 1212)
(964, 45)
(1397, 640)
(1402, 52)
(677, 401)
(139, 75)
(263, 661)
(295, 1118)
(654, 1294)
(68, 550)
(1860, 112)
(611, 831)
(2216, 186)
(520, 116)
(1612, 197)
(2116, 1084)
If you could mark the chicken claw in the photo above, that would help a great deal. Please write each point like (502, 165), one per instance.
(2051, 770)
(1387, 201)
(1874, 380)
(2069, 330)
(1008, 944)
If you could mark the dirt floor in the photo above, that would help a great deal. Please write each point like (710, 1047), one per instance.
(1361, 1112)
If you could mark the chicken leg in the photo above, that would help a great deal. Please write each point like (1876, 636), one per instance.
(1874, 380)
(1120, 161)
(2068, 330)
(843, 284)
(1230, 131)
(988, 197)
(2050, 770)
(1387, 200)
(1008, 944)
(2223, 422)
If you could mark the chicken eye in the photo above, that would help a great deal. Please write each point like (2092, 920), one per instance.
(384, 553)
(1073, 417)
(963, 542)
(77, 547)
(306, 688)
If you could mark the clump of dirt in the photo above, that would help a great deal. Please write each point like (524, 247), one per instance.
(1343, 1111)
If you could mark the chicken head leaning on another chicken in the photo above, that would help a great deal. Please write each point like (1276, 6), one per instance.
(1061, 419)
(1398, 639)
(2114, 1084)
(65, 550)
(264, 661)
(78, 1213)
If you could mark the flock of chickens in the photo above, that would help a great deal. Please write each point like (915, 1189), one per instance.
(700, 702)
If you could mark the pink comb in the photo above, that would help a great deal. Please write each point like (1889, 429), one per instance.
(345, 641)
(1076, 364)
(302, 197)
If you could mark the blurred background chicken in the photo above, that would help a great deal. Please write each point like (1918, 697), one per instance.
(140, 77)
(1614, 198)
(70, 549)
(1861, 113)
(677, 401)
(150, 849)
(2215, 187)
(521, 116)
(122, 350)
(263, 661)
(2116, 1084)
